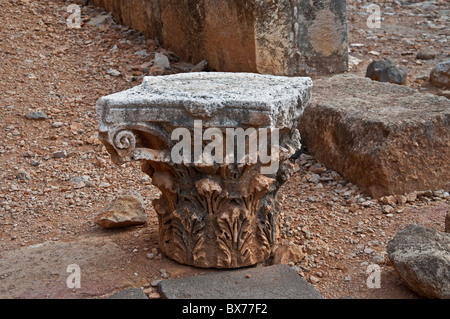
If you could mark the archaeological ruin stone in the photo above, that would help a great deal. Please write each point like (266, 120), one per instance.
(440, 75)
(386, 71)
(123, 211)
(218, 205)
(298, 37)
(421, 256)
(386, 138)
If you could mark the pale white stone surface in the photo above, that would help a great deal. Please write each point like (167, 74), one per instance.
(220, 99)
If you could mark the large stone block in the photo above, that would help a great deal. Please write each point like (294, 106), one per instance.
(386, 138)
(297, 37)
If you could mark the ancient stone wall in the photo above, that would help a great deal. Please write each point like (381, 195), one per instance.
(298, 37)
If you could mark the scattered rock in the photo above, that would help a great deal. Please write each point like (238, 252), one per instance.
(57, 124)
(318, 169)
(157, 70)
(100, 20)
(154, 295)
(142, 53)
(426, 55)
(161, 60)
(23, 175)
(387, 209)
(411, 197)
(59, 154)
(39, 116)
(123, 211)
(313, 279)
(288, 252)
(389, 200)
(113, 72)
(427, 193)
(200, 67)
(386, 71)
(401, 199)
(316, 246)
(440, 75)
(353, 61)
(420, 255)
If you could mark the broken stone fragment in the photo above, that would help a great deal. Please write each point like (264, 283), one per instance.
(113, 72)
(39, 115)
(123, 211)
(288, 252)
(420, 255)
(386, 71)
(440, 75)
(161, 60)
(59, 154)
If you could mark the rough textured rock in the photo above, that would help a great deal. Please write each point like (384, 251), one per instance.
(123, 211)
(273, 37)
(421, 256)
(440, 75)
(386, 71)
(288, 252)
(386, 138)
(221, 213)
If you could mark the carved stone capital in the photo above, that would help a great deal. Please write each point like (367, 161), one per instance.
(220, 214)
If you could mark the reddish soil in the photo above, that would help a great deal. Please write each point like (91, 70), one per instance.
(46, 66)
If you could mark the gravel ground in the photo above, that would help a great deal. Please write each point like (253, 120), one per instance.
(55, 176)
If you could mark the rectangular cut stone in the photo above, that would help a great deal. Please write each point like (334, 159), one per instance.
(298, 37)
(273, 282)
(386, 138)
(219, 99)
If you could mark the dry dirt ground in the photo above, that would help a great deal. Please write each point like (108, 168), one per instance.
(46, 66)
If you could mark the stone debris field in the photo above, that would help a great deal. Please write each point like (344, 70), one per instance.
(60, 189)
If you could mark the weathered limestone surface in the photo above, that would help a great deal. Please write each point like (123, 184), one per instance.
(210, 214)
(123, 211)
(421, 256)
(386, 138)
(298, 37)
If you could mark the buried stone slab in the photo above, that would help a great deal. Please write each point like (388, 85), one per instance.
(386, 138)
(273, 282)
(217, 207)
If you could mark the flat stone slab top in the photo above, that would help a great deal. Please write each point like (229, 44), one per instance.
(273, 282)
(219, 99)
(217, 209)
